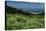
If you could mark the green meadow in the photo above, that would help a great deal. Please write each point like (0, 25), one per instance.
(18, 21)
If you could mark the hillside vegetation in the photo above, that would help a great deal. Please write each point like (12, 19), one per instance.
(18, 19)
(24, 22)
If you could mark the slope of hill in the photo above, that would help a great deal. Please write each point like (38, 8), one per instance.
(19, 11)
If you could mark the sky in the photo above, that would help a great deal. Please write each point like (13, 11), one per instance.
(27, 5)
(31, 5)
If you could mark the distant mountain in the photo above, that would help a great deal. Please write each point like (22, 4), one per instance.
(12, 10)
(25, 5)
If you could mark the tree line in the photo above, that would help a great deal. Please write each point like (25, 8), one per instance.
(11, 10)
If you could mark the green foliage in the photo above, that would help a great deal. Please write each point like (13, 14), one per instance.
(24, 22)
(11, 10)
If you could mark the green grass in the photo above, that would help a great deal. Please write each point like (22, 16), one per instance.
(24, 22)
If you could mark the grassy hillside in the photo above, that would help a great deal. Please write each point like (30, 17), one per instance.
(18, 21)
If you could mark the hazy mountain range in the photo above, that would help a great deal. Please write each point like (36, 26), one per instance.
(27, 6)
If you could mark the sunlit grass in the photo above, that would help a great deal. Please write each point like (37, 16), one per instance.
(24, 22)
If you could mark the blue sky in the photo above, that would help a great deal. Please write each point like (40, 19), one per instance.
(31, 5)
(27, 6)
